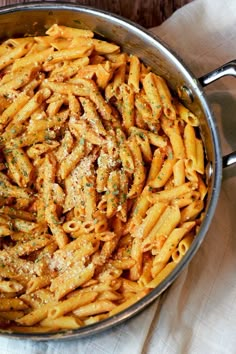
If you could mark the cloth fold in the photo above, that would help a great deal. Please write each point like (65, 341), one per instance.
(197, 314)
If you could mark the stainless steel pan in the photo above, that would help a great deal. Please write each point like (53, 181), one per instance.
(35, 18)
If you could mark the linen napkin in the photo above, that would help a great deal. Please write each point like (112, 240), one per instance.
(197, 314)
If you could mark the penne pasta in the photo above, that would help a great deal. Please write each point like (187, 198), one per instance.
(139, 170)
(102, 180)
(165, 96)
(134, 73)
(153, 97)
(164, 174)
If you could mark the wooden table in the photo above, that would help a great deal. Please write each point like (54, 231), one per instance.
(147, 13)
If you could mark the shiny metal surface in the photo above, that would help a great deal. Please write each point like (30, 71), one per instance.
(34, 19)
(228, 69)
(229, 160)
(224, 70)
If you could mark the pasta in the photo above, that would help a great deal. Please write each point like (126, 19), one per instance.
(102, 180)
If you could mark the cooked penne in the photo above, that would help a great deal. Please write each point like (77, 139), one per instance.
(94, 308)
(161, 230)
(31, 59)
(155, 139)
(145, 147)
(202, 187)
(126, 158)
(15, 53)
(50, 207)
(18, 79)
(73, 278)
(169, 195)
(11, 315)
(69, 54)
(13, 109)
(153, 97)
(134, 298)
(38, 283)
(200, 157)
(185, 114)
(171, 243)
(127, 95)
(35, 316)
(102, 180)
(139, 170)
(164, 174)
(67, 32)
(173, 132)
(165, 97)
(143, 108)
(152, 216)
(161, 276)
(71, 304)
(90, 196)
(12, 304)
(64, 322)
(113, 190)
(138, 212)
(69, 163)
(134, 73)
(190, 145)
(10, 286)
(137, 255)
(156, 165)
(191, 211)
(22, 165)
(91, 114)
(179, 173)
(103, 172)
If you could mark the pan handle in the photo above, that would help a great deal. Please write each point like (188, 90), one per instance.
(224, 70)
(229, 160)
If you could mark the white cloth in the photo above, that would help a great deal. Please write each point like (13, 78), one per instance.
(197, 315)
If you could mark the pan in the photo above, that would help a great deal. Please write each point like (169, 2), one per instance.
(35, 18)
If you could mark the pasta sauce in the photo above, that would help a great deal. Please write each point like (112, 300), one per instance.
(102, 180)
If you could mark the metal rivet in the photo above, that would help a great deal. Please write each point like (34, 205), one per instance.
(185, 94)
(209, 172)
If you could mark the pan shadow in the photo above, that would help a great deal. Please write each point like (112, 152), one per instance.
(226, 122)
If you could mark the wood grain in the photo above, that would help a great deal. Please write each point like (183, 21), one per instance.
(147, 13)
